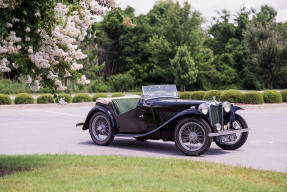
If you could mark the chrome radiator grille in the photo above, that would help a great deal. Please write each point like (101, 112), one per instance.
(216, 114)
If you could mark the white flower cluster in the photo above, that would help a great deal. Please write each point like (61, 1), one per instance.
(83, 80)
(72, 27)
(3, 4)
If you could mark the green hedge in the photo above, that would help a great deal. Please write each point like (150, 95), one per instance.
(24, 98)
(66, 97)
(81, 97)
(5, 100)
(198, 95)
(252, 97)
(45, 98)
(118, 95)
(284, 95)
(209, 95)
(233, 96)
(97, 95)
(271, 96)
(185, 95)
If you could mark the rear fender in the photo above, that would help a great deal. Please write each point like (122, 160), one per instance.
(95, 109)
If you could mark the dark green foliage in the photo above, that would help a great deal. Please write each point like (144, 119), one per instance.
(98, 86)
(198, 95)
(122, 82)
(233, 96)
(118, 95)
(24, 98)
(284, 95)
(45, 98)
(12, 87)
(183, 67)
(209, 95)
(98, 95)
(5, 99)
(185, 95)
(252, 97)
(81, 97)
(66, 97)
(271, 96)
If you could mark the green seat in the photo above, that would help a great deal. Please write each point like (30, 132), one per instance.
(125, 104)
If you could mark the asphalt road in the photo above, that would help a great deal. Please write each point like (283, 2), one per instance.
(30, 129)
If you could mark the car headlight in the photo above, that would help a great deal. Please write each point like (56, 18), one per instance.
(226, 106)
(203, 108)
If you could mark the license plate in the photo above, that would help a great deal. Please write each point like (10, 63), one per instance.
(227, 138)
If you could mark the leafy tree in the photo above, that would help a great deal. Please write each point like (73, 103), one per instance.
(183, 67)
(268, 49)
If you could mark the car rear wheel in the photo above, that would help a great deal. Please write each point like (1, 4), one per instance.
(240, 138)
(100, 129)
(191, 136)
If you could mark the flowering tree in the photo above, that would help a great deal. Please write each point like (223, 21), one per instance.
(39, 39)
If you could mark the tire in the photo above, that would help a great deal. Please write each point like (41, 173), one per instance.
(101, 131)
(240, 141)
(184, 136)
(141, 139)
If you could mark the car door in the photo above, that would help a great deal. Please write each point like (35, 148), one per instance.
(138, 120)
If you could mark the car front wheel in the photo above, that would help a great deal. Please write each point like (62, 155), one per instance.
(240, 138)
(191, 136)
(100, 129)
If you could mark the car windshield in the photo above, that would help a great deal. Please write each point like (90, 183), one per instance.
(156, 91)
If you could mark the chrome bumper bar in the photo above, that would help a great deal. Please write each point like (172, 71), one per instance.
(220, 133)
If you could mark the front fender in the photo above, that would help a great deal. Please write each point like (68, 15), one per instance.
(95, 109)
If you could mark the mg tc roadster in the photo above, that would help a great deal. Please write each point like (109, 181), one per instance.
(160, 114)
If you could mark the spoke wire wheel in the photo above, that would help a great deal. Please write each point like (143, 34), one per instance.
(240, 123)
(238, 135)
(100, 129)
(191, 136)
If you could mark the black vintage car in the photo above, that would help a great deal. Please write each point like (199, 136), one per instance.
(160, 114)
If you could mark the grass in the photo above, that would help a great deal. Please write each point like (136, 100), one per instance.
(114, 173)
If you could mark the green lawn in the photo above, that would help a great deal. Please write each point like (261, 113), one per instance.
(112, 173)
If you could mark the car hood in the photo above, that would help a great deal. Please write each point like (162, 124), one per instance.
(176, 103)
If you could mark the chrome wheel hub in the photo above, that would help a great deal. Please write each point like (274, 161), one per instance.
(191, 136)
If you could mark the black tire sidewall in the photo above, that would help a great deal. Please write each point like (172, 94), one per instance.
(242, 139)
(207, 130)
(110, 137)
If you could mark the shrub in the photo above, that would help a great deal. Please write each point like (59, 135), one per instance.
(233, 96)
(81, 97)
(185, 95)
(97, 95)
(122, 82)
(12, 87)
(284, 95)
(271, 96)
(209, 95)
(45, 98)
(198, 95)
(66, 97)
(24, 98)
(5, 100)
(98, 86)
(252, 97)
(118, 95)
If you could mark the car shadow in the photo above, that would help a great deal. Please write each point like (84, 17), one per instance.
(165, 148)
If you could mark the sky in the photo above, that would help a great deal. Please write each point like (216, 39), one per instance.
(208, 8)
